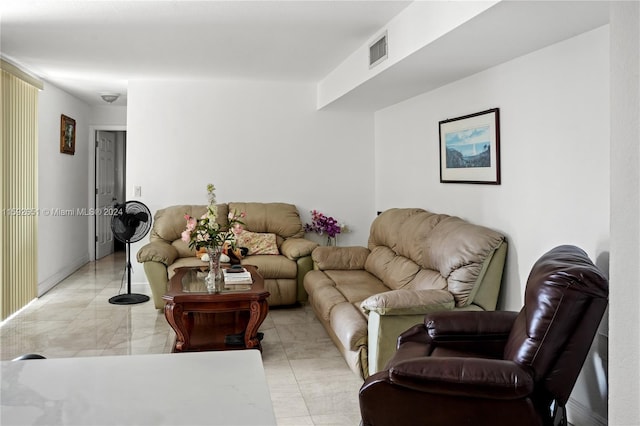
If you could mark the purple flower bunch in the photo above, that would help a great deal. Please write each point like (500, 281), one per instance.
(322, 224)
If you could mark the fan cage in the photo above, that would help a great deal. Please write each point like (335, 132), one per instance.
(132, 222)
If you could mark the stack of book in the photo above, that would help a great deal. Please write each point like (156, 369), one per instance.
(236, 276)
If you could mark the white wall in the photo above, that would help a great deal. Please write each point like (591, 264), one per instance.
(104, 116)
(625, 215)
(256, 141)
(554, 126)
(62, 185)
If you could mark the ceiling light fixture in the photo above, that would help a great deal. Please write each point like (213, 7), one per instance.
(110, 97)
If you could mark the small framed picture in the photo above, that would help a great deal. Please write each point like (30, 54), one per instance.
(470, 148)
(67, 135)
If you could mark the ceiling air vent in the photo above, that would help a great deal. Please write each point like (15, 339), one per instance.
(378, 50)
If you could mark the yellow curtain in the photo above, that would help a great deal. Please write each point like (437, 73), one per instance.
(18, 189)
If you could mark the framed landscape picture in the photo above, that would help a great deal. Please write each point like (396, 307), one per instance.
(67, 135)
(470, 148)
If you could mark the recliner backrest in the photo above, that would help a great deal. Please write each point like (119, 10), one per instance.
(565, 299)
(281, 219)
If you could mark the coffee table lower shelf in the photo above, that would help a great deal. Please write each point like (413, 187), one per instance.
(211, 331)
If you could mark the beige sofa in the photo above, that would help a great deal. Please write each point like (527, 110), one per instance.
(283, 273)
(416, 262)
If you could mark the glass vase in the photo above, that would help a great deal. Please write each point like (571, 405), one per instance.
(213, 280)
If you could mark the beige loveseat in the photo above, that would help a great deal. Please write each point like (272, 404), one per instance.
(416, 262)
(283, 273)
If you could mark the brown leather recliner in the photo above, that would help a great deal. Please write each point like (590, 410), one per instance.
(496, 368)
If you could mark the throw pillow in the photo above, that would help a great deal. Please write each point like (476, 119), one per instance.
(257, 243)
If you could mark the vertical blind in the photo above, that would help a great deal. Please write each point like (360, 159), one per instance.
(18, 189)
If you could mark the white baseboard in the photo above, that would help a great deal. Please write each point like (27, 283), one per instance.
(51, 281)
(579, 415)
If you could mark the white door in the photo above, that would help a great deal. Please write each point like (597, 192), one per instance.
(105, 191)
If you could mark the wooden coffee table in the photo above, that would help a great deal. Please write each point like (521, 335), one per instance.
(205, 321)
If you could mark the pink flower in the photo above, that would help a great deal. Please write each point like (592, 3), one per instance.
(186, 236)
(191, 223)
(237, 229)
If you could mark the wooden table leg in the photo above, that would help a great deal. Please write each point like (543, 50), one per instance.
(175, 317)
(258, 311)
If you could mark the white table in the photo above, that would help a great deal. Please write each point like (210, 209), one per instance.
(196, 388)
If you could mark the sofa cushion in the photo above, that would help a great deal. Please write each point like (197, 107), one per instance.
(183, 249)
(272, 266)
(333, 257)
(323, 294)
(327, 289)
(386, 228)
(458, 250)
(426, 279)
(355, 286)
(395, 271)
(281, 219)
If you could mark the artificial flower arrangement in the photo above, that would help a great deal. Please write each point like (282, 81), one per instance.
(323, 224)
(206, 231)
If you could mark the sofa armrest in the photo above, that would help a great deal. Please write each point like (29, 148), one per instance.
(339, 258)
(466, 377)
(157, 251)
(295, 248)
(408, 302)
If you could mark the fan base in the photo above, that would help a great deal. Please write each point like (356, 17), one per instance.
(128, 299)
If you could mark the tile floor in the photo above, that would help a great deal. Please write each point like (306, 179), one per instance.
(309, 382)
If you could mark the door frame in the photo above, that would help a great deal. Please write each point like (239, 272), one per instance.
(92, 180)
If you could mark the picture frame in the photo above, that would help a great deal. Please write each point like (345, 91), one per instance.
(470, 148)
(67, 135)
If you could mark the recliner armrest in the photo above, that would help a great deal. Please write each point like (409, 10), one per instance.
(476, 325)
(465, 377)
(474, 332)
(408, 302)
(157, 251)
(295, 248)
(339, 258)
